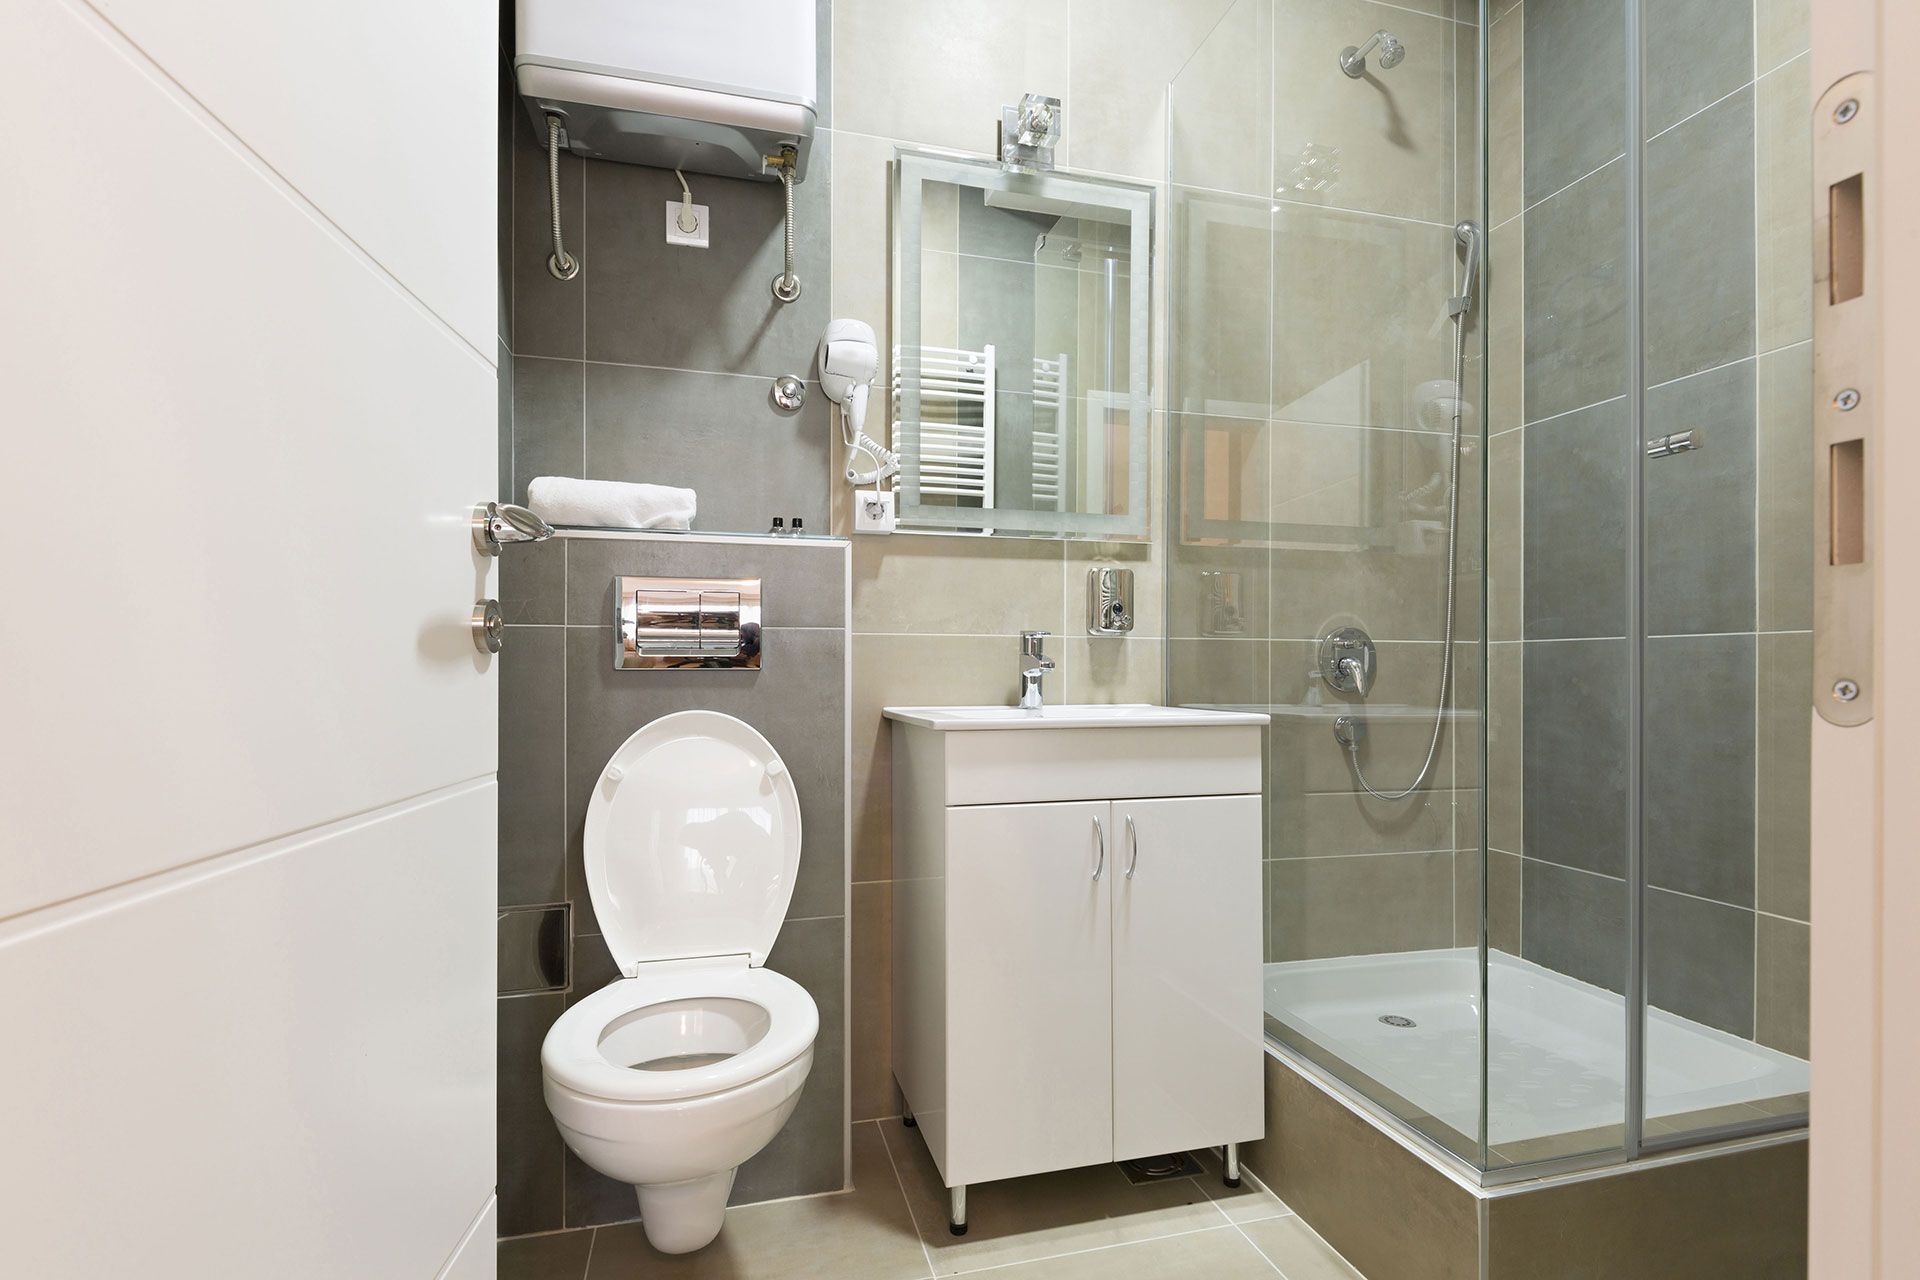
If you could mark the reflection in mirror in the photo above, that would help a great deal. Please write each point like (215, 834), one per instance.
(1020, 395)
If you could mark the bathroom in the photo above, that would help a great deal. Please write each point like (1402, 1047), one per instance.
(1166, 637)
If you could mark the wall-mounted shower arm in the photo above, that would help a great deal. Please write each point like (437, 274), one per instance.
(1353, 58)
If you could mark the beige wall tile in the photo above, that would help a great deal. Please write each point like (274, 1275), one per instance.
(939, 74)
(1393, 130)
(1506, 747)
(1124, 53)
(1220, 124)
(1324, 824)
(1503, 276)
(1781, 30)
(1503, 902)
(1360, 905)
(874, 1094)
(956, 586)
(1506, 102)
(905, 670)
(1219, 308)
(1505, 545)
(860, 237)
(1783, 159)
(1106, 669)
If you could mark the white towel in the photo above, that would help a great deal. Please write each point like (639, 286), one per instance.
(610, 504)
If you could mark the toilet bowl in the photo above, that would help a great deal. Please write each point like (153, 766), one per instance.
(672, 1076)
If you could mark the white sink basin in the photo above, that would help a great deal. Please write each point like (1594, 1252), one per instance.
(1129, 715)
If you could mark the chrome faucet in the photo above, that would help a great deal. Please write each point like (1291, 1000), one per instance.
(1034, 666)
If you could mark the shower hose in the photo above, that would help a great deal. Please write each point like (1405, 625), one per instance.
(1453, 530)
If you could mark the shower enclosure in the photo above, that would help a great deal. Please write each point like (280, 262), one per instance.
(1582, 936)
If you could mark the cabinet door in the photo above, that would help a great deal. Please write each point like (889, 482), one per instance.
(1187, 1056)
(1029, 1005)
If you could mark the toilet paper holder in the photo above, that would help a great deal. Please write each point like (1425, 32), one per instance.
(677, 623)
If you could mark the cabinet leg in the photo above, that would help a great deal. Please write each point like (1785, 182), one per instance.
(957, 1210)
(1230, 1157)
(907, 1121)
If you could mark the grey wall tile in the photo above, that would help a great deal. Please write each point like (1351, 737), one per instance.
(1574, 923)
(1697, 51)
(529, 1167)
(546, 420)
(1699, 766)
(593, 1199)
(532, 792)
(1781, 954)
(801, 584)
(1575, 296)
(547, 313)
(533, 582)
(591, 968)
(1785, 478)
(1700, 960)
(1699, 531)
(718, 434)
(805, 1158)
(503, 479)
(1576, 734)
(1576, 482)
(1699, 241)
(1360, 905)
(1575, 68)
(795, 699)
(649, 302)
(1785, 774)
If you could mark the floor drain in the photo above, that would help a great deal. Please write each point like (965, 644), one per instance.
(1178, 1164)
(1396, 1020)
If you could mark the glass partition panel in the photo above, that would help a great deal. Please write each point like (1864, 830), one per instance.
(1727, 529)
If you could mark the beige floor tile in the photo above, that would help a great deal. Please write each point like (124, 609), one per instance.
(1219, 1253)
(1292, 1246)
(866, 1232)
(1048, 1215)
(1248, 1202)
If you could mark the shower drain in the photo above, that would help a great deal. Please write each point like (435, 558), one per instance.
(1397, 1020)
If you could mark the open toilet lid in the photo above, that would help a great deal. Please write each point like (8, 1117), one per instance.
(692, 842)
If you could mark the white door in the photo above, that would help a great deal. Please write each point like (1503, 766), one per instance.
(247, 390)
(1187, 1057)
(1028, 1014)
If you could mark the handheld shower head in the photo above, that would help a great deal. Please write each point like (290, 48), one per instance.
(1353, 58)
(1467, 233)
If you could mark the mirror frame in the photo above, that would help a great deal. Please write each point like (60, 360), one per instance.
(913, 167)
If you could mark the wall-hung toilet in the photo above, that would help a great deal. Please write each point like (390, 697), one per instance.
(689, 1064)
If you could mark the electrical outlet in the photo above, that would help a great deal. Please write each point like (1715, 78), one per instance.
(873, 511)
(696, 238)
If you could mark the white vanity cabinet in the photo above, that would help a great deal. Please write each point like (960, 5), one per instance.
(1076, 935)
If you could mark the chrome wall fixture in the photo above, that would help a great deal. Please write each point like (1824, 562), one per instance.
(1668, 445)
(495, 524)
(1030, 132)
(1347, 660)
(1109, 601)
(669, 623)
(1353, 58)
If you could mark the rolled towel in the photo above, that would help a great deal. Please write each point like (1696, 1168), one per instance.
(610, 504)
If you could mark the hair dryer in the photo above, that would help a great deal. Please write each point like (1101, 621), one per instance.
(849, 358)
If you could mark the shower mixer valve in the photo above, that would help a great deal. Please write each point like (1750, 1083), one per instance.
(1347, 660)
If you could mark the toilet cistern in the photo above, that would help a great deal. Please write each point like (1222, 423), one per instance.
(1034, 666)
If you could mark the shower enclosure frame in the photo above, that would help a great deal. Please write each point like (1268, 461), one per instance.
(1636, 1142)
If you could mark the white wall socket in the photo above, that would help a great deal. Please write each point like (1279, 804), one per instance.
(696, 238)
(873, 511)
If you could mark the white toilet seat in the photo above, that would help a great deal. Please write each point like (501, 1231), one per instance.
(575, 1055)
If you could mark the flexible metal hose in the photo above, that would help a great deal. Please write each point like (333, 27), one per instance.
(786, 286)
(1453, 530)
(563, 265)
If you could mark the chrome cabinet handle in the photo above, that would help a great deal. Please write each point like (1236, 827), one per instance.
(1100, 831)
(1133, 844)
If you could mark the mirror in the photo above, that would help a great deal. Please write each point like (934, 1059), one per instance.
(1019, 401)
